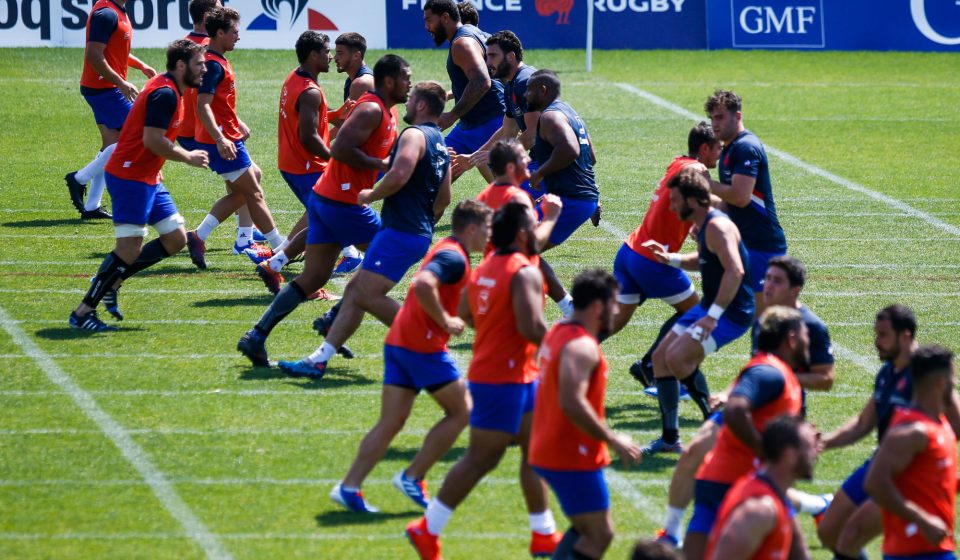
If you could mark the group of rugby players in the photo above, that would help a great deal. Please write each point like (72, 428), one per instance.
(538, 386)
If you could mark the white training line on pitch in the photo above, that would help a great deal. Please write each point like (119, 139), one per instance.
(813, 169)
(132, 452)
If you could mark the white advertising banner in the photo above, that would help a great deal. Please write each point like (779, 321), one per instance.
(265, 24)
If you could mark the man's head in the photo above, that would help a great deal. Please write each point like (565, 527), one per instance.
(789, 442)
(468, 13)
(895, 330)
(702, 144)
(471, 224)
(542, 89)
(426, 100)
(509, 159)
(185, 58)
(725, 111)
(200, 8)
(441, 18)
(784, 281)
(349, 50)
(504, 54)
(513, 226)
(595, 295)
(783, 332)
(223, 27)
(313, 50)
(391, 78)
(689, 191)
(932, 369)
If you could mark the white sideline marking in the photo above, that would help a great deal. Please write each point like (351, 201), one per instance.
(813, 169)
(359, 537)
(132, 452)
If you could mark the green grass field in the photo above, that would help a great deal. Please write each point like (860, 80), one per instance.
(247, 456)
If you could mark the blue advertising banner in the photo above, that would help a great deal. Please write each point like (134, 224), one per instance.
(906, 25)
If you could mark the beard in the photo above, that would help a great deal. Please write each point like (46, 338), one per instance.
(685, 211)
(411, 116)
(501, 71)
(532, 247)
(439, 37)
(192, 79)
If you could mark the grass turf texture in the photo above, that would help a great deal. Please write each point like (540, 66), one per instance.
(253, 454)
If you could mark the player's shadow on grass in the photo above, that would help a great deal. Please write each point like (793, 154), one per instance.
(47, 223)
(336, 518)
(332, 380)
(67, 333)
(406, 455)
(642, 417)
(259, 300)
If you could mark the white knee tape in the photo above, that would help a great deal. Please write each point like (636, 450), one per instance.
(169, 224)
(130, 230)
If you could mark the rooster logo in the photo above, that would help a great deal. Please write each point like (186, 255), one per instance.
(548, 7)
(267, 21)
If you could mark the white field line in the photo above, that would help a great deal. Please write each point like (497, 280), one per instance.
(131, 451)
(810, 168)
(332, 536)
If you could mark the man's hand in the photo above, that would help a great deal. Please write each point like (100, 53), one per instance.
(198, 158)
(704, 327)
(453, 325)
(627, 449)
(148, 71)
(658, 250)
(550, 205)
(930, 526)
(226, 148)
(343, 111)
(446, 120)
(363, 197)
(129, 91)
(535, 179)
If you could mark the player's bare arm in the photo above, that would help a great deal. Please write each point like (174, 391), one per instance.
(155, 140)
(426, 288)
(819, 378)
(444, 195)
(309, 119)
(526, 293)
(738, 192)
(463, 310)
(411, 147)
(225, 146)
(686, 261)
(854, 429)
(528, 136)
(738, 418)
(134, 62)
(748, 525)
(364, 119)
(93, 53)
(468, 55)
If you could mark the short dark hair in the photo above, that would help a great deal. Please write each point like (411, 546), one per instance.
(776, 323)
(509, 220)
(592, 285)
(200, 8)
(548, 78)
(795, 270)
(930, 360)
(901, 318)
(649, 549)
(311, 41)
(468, 13)
(182, 49)
(470, 212)
(389, 66)
(220, 19)
(433, 94)
(702, 133)
(723, 98)
(504, 152)
(779, 435)
(440, 7)
(353, 41)
(692, 184)
(508, 42)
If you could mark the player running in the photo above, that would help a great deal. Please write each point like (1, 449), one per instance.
(913, 477)
(198, 13)
(756, 520)
(416, 358)
(105, 88)
(415, 191)
(335, 217)
(504, 304)
(569, 436)
(723, 315)
(133, 177)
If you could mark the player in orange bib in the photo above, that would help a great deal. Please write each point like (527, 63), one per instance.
(569, 437)
(504, 304)
(136, 186)
(756, 520)
(198, 12)
(416, 358)
(765, 389)
(913, 476)
(105, 88)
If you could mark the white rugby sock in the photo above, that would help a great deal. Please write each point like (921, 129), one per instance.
(95, 192)
(673, 521)
(809, 503)
(278, 261)
(438, 515)
(566, 305)
(322, 354)
(95, 167)
(244, 236)
(543, 523)
(282, 246)
(274, 238)
(207, 226)
(350, 252)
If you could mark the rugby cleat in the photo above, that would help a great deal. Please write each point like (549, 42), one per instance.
(351, 500)
(303, 368)
(543, 546)
(77, 190)
(643, 373)
(323, 295)
(258, 236)
(666, 538)
(347, 265)
(97, 213)
(415, 489)
(426, 545)
(197, 249)
(256, 252)
(818, 516)
(251, 345)
(660, 446)
(273, 280)
(112, 304)
(89, 322)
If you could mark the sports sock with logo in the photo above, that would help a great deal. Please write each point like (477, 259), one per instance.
(111, 270)
(244, 236)
(278, 261)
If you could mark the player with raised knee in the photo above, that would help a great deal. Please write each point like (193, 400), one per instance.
(104, 86)
(137, 191)
(503, 301)
(416, 358)
(336, 218)
(415, 191)
(569, 436)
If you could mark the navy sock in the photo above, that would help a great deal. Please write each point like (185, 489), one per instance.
(289, 297)
(151, 254)
(566, 544)
(696, 385)
(111, 270)
(668, 395)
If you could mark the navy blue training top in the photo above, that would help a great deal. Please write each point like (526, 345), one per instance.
(161, 105)
(363, 71)
(740, 309)
(514, 95)
(890, 390)
(214, 75)
(759, 227)
(760, 384)
(410, 209)
(490, 105)
(821, 348)
(576, 180)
